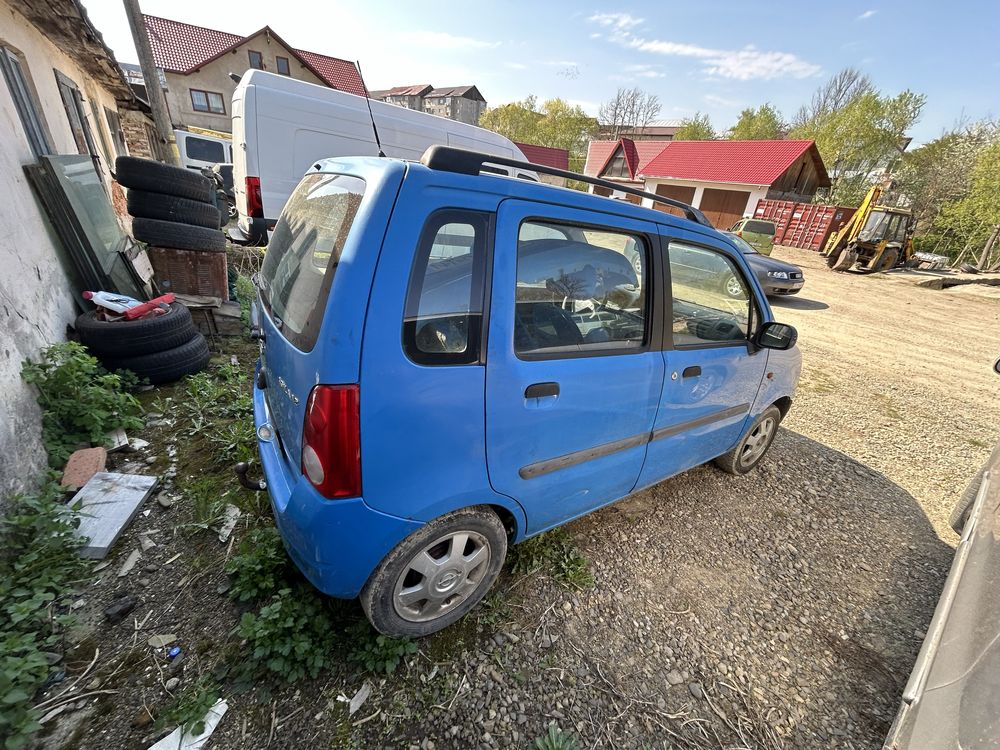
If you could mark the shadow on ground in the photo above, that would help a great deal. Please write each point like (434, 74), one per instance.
(797, 303)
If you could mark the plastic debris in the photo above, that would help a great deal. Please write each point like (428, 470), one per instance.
(359, 698)
(231, 516)
(181, 740)
(159, 641)
(129, 563)
(174, 652)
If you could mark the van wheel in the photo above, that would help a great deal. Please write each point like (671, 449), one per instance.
(437, 574)
(752, 448)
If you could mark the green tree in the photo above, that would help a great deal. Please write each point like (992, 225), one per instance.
(696, 128)
(517, 120)
(761, 124)
(975, 217)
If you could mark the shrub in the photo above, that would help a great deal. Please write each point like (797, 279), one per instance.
(259, 565)
(80, 402)
(374, 652)
(188, 709)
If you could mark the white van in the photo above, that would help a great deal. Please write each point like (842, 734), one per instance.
(199, 150)
(281, 127)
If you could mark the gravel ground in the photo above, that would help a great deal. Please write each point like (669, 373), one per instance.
(782, 609)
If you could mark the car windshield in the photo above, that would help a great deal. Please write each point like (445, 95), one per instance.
(741, 243)
(759, 227)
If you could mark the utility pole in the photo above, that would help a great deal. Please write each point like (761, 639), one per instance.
(154, 91)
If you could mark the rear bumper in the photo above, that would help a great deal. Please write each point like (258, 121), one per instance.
(335, 543)
(254, 233)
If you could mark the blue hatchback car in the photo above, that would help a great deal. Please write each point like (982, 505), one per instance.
(452, 362)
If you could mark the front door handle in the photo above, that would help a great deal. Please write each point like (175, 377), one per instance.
(691, 372)
(541, 390)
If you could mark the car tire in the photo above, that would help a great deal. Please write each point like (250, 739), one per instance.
(145, 174)
(136, 337)
(733, 288)
(962, 509)
(161, 233)
(147, 205)
(968, 268)
(168, 365)
(390, 598)
(754, 444)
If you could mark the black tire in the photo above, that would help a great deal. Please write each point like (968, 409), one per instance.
(146, 205)
(744, 457)
(137, 337)
(960, 514)
(145, 174)
(183, 236)
(166, 366)
(378, 597)
(968, 268)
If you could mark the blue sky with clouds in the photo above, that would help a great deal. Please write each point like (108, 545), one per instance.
(712, 57)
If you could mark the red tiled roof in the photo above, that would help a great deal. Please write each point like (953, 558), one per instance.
(183, 48)
(419, 89)
(598, 153)
(545, 156)
(743, 162)
(637, 154)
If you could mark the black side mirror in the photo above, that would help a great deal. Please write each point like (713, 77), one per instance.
(996, 367)
(777, 336)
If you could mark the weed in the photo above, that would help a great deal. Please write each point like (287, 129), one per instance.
(977, 443)
(80, 402)
(291, 636)
(555, 739)
(375, 652)
(207, 496)
(554, 553)
(245, 294)
(259, 565)
(494, 610)
(188, 709)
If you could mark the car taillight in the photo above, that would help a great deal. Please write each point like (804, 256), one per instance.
(255, 206)
(331, 441)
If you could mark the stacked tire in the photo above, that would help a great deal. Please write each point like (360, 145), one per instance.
(160, 349)
(171, 206)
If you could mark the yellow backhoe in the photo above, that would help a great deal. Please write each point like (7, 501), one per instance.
(876, 238)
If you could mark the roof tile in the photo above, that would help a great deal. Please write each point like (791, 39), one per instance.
(742, 162)
(545, 156)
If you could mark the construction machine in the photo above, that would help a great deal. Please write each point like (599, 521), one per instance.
(876, 238)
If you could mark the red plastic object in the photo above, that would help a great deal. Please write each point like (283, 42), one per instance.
(147, 307)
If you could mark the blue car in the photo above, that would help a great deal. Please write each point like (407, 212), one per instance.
(453, 361)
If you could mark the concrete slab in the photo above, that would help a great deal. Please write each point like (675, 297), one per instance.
(108, 503)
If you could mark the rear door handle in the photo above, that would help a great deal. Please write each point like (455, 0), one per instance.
(541, 390)
(691, 372)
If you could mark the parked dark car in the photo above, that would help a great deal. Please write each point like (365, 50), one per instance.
(777, 277)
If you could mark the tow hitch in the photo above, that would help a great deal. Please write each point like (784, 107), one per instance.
(241, 470)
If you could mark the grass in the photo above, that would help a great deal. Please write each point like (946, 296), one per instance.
(555, 554)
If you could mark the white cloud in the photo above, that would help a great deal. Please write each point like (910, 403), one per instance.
(643, 71)
(442, 40)
(721, 101)
(866, 15)
(515, 66)
(561, 63)
(619, 21)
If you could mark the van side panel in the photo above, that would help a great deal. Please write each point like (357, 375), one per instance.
(423, 435)
(244, 146)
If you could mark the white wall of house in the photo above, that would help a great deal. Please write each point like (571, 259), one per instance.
(756, 191)
(36, 297)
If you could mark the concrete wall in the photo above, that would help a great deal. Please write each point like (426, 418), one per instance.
(456, 108)
(36, 296)
(214, 76)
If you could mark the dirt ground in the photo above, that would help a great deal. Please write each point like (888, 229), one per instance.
(782, 609)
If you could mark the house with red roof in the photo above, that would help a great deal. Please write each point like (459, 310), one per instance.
(546, 156)
(724, 179)
(201, 67)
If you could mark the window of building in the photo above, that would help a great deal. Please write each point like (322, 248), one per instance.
(443, 316)
(115, 128)
(711, 300)
(208, 101)
(75, 113)
(256, 60)
(283, 66)
(25, 101)
(579, 293)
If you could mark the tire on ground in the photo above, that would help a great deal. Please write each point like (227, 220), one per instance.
(145, 174)
(379, 592)
(166, 366)
(183, 236)
(732, 462)
(147, 205)
(968, 268)
(136, 337)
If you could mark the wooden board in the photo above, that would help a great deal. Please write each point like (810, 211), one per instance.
(108, 503)
(724, 207)
(674, 192)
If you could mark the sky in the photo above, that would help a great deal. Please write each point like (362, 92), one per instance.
(710, 57)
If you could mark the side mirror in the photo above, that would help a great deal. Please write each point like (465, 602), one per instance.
(996, 367)
(777, 336)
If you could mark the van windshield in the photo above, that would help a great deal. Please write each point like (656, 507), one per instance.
(304, 251)
(759, 227)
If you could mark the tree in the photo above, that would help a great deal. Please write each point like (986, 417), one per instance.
(696, 128)
(517, 120)
(975, 218)
(761, 124)
(839, 91)
(628, 111)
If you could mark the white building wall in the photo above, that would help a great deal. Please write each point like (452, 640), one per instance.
(756, 191)
(36, 297)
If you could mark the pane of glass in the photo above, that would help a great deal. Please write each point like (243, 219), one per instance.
(216, 104)
(304, 250)
(759, 227)
(24, 100)
(442, 311)
(199, 100)
(581, 291)
(283, 66)
(711, 301)
(203, 149)
(256, 61)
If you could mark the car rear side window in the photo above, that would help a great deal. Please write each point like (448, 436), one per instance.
(443, 317)
(759, 227)
(304, 251)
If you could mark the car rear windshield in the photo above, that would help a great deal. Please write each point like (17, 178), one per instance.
(304, 251)
(759, 227)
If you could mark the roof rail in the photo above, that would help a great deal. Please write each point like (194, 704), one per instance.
(464, 161)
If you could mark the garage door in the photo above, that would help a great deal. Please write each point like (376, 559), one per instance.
(724, 207)
(677, 193)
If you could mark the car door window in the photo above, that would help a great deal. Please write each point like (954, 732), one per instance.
(579, 291)
(711, 301)
(444, 305)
